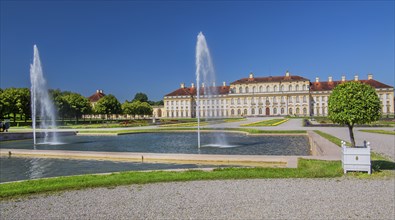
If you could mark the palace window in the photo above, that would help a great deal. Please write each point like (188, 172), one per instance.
(275, 88)
(267, 88)
(253, 111)
(245, 100)
(232, 101)
(282, 111)
(260, 111)
(245, 111)
(253, 89)
(290, 88)
(297, 87)
(297, 111)
(238, 112)
(238, 101)
(246, 89)
(304, 98)
(240, 90)
(232, 112)
(282, 88)
(260, 89)
(290, 111)
(304, 87)
(304, 111)
(274, 110)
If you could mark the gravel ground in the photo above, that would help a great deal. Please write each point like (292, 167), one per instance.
(339, 198)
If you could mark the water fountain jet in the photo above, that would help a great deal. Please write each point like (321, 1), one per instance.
(41, 102)
(206, 75)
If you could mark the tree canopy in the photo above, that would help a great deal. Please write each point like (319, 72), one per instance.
(354, 103)
(142, 97)
(108, 105)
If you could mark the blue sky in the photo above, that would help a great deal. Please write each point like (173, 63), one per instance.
(124, 47)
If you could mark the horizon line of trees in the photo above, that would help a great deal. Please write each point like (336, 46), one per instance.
(17, 101)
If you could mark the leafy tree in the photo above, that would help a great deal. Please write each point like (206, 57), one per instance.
(78, 105)
(108, 105)
(130, 108)
(2, 105)
(62, 106)
(24, 103)
(9, 98)
(353, 103)
(144, 109)
(142, 97)
(153, 103)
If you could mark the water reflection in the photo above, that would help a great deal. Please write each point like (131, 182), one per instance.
(20, 168)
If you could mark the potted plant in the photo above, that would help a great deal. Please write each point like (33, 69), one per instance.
(349, 104)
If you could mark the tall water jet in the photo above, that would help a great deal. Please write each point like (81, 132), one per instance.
(41, 101)
(205, 75)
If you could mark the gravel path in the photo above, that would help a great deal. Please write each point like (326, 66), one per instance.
(339, 198)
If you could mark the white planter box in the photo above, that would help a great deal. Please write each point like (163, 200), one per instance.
(356, 159)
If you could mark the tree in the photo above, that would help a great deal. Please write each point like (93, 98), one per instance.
(24, 103)
(78, 104)
(144, 109)
(61, 104)
(129, 108)
(9, 98)
(108, 105)
(142, 97)
(353, 103)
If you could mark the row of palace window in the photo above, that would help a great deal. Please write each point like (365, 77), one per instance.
(254, 89)
(260, 111)
(260, 100)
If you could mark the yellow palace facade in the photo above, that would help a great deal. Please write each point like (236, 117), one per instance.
(264, 96)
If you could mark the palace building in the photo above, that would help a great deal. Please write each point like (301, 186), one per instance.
(264, 96)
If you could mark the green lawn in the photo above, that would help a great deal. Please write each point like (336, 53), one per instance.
(271, 122)
(379, 131)
(382, 166)
(306, 169)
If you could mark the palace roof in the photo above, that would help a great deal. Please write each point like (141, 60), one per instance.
(327, 86)
(95, 97)
(269, 79)
(191, 91)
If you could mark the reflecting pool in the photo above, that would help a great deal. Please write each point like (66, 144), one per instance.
(238, 144)
(21, 168)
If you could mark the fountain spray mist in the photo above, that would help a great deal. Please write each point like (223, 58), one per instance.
(204, 69)
(41, 101)
(205, 74)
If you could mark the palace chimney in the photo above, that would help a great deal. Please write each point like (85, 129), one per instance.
(192, 85)
(317, 79)
(251, 75)
(343, 78)
(370, 76)
(330, 79)
(287, 73)
(223, 83)
(356, 77)
(182, 85)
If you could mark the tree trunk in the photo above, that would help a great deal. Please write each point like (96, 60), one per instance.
(350, 127)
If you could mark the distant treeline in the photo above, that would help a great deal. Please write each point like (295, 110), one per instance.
(15, 103)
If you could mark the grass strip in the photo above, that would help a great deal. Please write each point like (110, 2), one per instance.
(379, 131)
(382, 166)
(306, 169)
(331, 138)
(271, 122)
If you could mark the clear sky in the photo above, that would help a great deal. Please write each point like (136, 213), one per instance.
(124, 47)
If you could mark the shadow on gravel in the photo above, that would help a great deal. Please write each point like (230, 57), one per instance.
(382, 165)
